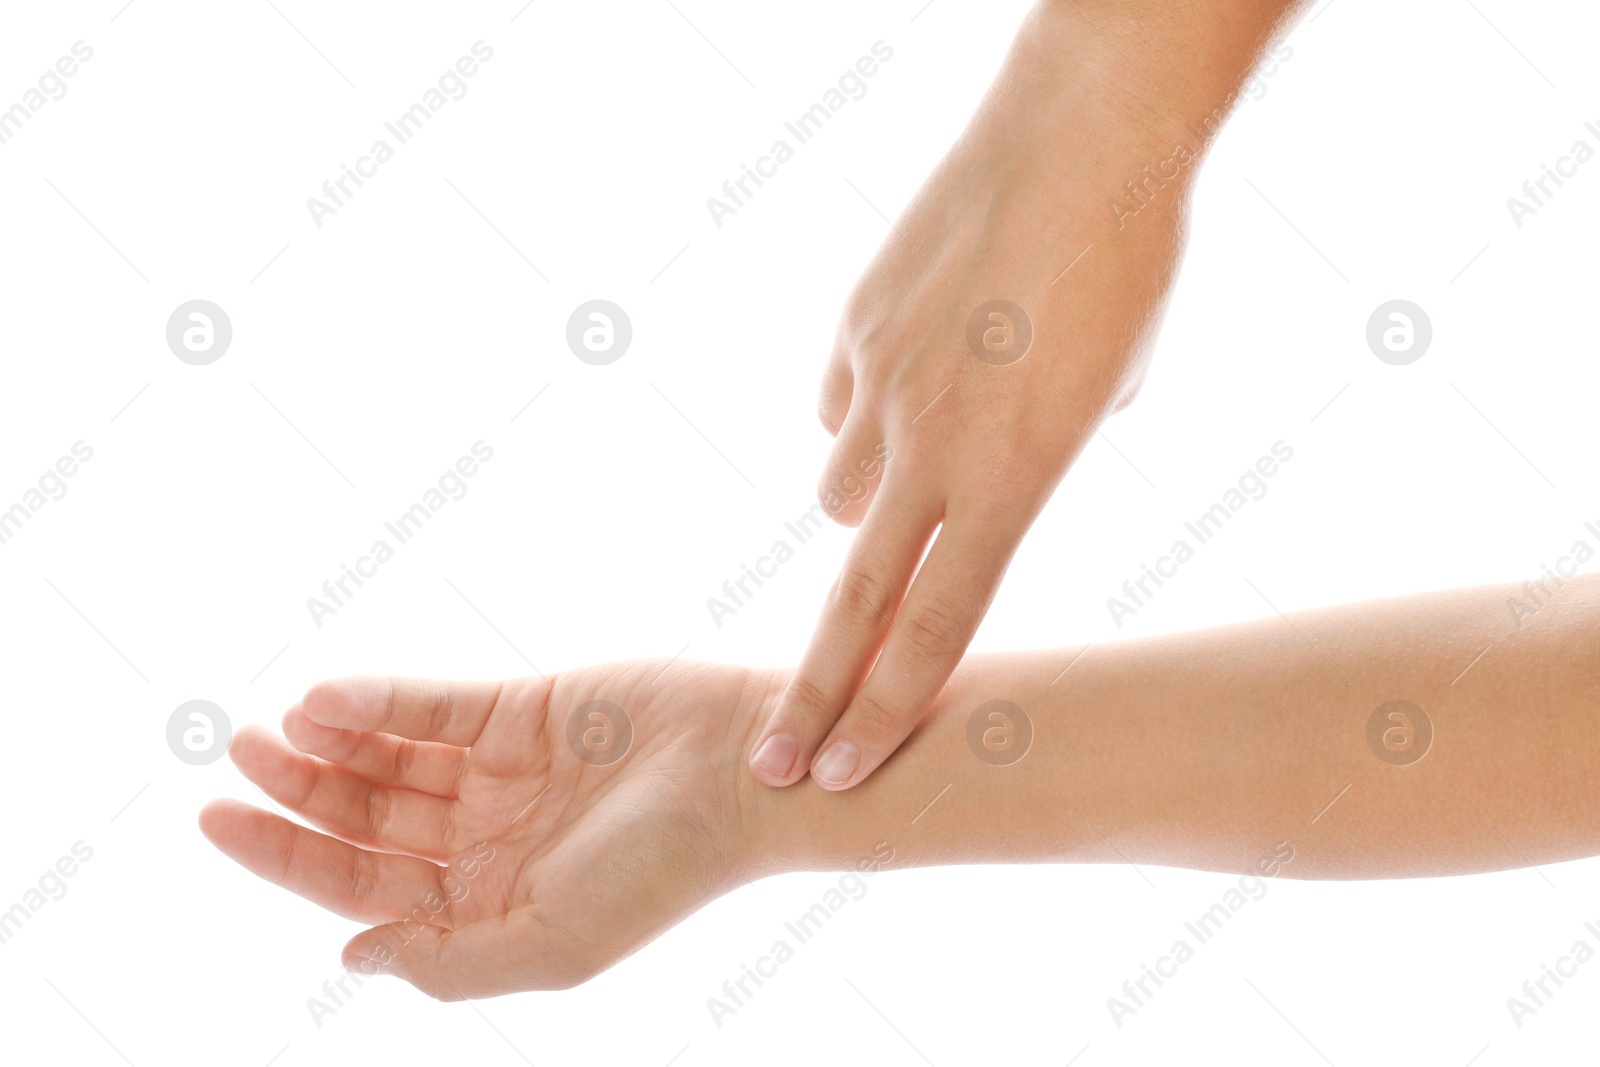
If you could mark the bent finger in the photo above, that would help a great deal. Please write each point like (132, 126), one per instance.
(343, 804)
(854, 471)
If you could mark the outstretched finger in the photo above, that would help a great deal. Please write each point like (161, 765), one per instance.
(369, 887)
(854, 620)
(450, 712)
(942, 611)
(425, 766)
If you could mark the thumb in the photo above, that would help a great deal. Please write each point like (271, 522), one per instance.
(409, 949)
(488, 958)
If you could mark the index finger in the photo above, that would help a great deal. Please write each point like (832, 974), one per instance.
(854, 620)
(947, 601)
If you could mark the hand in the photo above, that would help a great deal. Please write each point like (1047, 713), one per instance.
(958, 413)
(492, 855)
(497, 859)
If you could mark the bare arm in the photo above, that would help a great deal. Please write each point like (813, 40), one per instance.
(1208, 750)
(530, 834)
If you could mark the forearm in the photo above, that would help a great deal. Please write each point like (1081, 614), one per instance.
(1214, 750)
(1170, 67)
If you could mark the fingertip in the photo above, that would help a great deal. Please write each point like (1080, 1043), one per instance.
(774, 760)
(250, 744)
(266, 759)
(239, 831)
(307, 735)
(836, 766)
(367, 952)
(216, 816)
(330, 702)
(363, 965)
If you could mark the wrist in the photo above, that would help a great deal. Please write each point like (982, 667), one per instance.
(1155, 68)
(769, 830)
(801, 827)
(937, 800)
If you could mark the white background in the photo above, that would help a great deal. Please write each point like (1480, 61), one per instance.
(416, 322)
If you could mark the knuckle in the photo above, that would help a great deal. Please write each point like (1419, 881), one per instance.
(936, 628)
(841, 496)
(377, 812)
(861, 595)
(440, 712)
(389, 699)
(405, 760)
(806, 697)
(310, 781)
(874, 717)
(363, 880)
(450, 833)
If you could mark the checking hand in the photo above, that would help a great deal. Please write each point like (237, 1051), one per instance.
(1007, 314)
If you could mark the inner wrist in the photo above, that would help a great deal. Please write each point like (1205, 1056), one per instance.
(768, 827)
(800, 827)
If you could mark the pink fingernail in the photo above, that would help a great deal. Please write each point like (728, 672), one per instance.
(837, 764)
(776, 754)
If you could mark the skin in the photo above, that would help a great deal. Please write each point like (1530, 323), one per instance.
(1066, 196)
(493, 859)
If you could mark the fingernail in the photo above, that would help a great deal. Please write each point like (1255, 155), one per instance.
(775, 755)
(837, 764)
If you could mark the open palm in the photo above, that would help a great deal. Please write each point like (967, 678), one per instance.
(505, 836)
